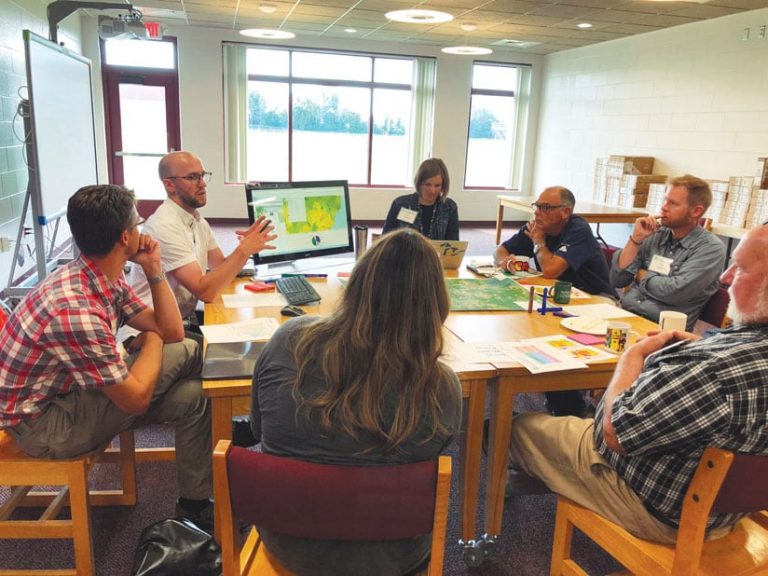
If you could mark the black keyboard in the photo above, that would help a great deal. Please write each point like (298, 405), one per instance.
(297, 290)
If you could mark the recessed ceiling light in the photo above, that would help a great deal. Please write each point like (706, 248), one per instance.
(419, 16)
(468, 27)
(268, 33)
(467, 50)
(584, 25)
(350, 30)
(267, 8)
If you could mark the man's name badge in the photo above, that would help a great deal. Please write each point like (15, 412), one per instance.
(661, 265)
(407, 215)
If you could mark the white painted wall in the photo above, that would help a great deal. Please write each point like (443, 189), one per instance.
(693, 96)
(202, 122)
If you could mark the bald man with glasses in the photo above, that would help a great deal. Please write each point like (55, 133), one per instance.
(196, 267)
(562, 246)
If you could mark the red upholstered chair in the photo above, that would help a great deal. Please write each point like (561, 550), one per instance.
(724, 482)
(715, 309)
(324, 501)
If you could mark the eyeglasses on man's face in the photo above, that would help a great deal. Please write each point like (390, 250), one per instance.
(139, 222)
(546, 208)
(195, 177)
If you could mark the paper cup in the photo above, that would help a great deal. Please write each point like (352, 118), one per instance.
(616, 336)
(669, 320)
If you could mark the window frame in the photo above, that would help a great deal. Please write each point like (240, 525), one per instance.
(371, 85)
(521, 95)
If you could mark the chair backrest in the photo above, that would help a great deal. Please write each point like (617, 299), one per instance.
(337, 502)
(743, 489)
(715, 308)
(608, 252)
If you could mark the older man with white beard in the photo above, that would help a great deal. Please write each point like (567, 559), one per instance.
(672, 395)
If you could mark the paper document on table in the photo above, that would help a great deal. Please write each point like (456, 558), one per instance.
(256, 329)
(604, 311)
(476, 353)
(251, 300)
(573, 349)
(538, 358)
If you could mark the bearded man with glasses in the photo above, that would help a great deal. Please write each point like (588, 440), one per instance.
(562, 246)
(196, 267)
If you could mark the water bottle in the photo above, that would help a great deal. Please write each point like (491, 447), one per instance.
(361, 240)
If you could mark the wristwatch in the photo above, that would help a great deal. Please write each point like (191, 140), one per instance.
(156, 279)
(536, 248)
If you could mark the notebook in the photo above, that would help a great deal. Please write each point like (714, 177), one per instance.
(230, 360)
(451, 252)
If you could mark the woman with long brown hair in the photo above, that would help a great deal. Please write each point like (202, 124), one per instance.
(363, 386)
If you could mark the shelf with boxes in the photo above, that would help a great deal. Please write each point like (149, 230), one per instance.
(624, 181)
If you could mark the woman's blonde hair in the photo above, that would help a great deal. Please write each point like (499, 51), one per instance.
(378, 353)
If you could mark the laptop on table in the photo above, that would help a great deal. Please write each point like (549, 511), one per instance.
(451, 252)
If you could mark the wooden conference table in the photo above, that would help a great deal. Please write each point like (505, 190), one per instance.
(590, 211)
(231, 397)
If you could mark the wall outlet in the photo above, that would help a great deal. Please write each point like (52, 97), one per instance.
(5, 244)
(745, 34)
(761, 32)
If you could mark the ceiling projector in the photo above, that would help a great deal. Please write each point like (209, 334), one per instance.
(122, 28)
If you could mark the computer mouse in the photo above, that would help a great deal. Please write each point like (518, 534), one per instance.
(292, 311)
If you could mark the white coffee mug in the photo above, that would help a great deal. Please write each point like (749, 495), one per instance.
(616, 336)
(670, 320)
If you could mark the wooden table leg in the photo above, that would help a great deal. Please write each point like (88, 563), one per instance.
(470, 456)
(502, 404)
(221, 419)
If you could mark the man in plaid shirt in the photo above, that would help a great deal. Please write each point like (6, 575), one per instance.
(65, 385)
(672, 395)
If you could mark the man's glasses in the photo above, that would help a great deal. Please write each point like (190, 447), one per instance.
(195, 177)
(546, 208)
(139, 222)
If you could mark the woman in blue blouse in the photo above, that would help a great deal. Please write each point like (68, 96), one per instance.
(428, 210)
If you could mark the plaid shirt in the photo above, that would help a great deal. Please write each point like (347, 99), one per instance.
(713, 392)
(62, 337)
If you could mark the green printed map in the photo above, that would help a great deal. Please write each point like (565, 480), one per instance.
(320, 213)
(485, 294)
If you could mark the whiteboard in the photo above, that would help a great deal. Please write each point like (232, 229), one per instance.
(63, 143)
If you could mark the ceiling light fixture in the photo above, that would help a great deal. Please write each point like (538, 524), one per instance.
(419, 16)
(267, 8)
(583, 25)
(268, 33)
(350, 30)
(467, 50)
(468, 27)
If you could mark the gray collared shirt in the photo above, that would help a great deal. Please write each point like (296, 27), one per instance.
(697, 262)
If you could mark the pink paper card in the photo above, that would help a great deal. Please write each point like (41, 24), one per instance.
(587, 339)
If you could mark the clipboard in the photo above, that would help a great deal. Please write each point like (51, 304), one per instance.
(230, 360)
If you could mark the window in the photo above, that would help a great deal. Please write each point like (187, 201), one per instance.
(496, 125)
(297, 115)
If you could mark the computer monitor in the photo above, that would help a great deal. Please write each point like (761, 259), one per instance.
(310, 218)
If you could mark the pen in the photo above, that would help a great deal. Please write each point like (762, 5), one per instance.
(562, 314)
(530, 299)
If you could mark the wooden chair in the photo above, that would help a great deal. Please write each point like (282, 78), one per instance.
(324, 501)
(715, 309)
(23, 473)
(724, 482)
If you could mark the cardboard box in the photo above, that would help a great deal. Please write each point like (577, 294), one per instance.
(633, 164)
(761, 173)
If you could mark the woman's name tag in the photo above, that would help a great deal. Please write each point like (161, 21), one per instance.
(407, 215)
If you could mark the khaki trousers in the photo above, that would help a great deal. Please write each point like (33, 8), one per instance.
(561, 452)
(84, 419)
